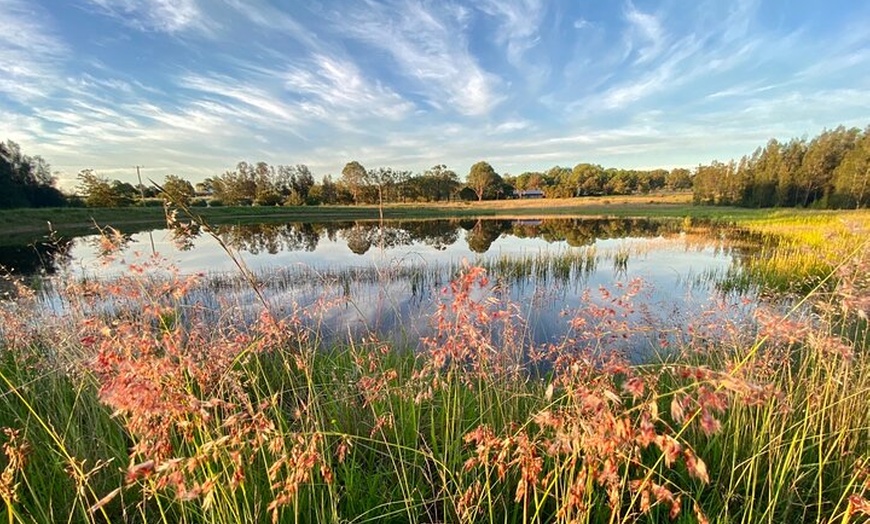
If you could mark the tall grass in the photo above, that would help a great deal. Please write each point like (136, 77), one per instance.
(135, 403)
(800, 250)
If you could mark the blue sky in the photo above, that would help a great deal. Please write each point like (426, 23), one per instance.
(191, 87)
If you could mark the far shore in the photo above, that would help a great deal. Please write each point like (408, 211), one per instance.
(19, 224)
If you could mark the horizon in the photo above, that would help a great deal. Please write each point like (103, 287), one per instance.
(193, 87)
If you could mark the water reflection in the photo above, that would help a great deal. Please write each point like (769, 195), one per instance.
(387, 276)
(197, 248)
(361, 236)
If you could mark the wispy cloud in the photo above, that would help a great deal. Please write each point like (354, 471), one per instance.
(257, 100)
(333, 88)
(582, 23)
(680, 66)
(165, 16)
(268, 17)
(524, 84)
(30, 54)
(648, 29)
(519, 24)
(431, 48)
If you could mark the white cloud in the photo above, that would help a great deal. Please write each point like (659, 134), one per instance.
(510, 126)
(335, 88)
(647, 28)
(267, 106)
(519, 24)
(268, 17)
(31, 56)
(165, 16)
(674, 71)
(582, 23)
(431, 49)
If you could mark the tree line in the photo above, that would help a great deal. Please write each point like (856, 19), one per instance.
(831, 170)
(26, 181)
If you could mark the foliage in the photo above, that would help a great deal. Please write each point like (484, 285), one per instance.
(261, 184)
(26, 180)
(852, 175)
(829, 171)
(177, 190)
(483, 180)
(438, 183)
(99, 191)
(353, 177)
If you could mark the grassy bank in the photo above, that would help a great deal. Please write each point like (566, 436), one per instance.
(800, 250)
(21, 223)
(152, 414)
(27, 223)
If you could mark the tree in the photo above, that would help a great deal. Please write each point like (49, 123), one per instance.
(679, 179)
(326, 192)
(852, 176)
(823, 155)
(436, 183)
(482, 177)
(26, 181)
(353, 176)
(588, 179)
(177, 190)
(237, 187)
(301, 182)
(792, 159)
(98, 191)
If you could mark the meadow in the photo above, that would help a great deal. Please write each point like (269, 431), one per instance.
(131, 403)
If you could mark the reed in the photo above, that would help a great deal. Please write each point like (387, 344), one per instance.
(139, 402)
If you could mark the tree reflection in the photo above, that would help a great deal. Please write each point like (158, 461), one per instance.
(41, 257)
(577, 232)
(362, 236)
(271, 238)
(358, 240)
(439, 234)
(485, 232)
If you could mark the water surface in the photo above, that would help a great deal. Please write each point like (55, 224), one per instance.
(388, 277)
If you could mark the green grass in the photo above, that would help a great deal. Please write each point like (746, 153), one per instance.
(799, 250)
(152, 414)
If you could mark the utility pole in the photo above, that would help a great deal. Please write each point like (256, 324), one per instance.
(142, 203)
(141, 187)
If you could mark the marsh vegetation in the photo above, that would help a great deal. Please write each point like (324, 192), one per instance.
(134, 397)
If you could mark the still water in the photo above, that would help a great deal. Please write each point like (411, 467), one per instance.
(388, 278)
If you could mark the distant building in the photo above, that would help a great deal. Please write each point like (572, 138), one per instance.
(528, 193)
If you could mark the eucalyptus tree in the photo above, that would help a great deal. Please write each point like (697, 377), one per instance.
(98, 191)
(482, 179)
(852, 175)
(301, 182)
(177, 190)
(353, 177)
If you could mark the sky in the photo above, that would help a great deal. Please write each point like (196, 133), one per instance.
(192, 87)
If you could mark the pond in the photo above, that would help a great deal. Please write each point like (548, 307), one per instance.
(564, 277)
